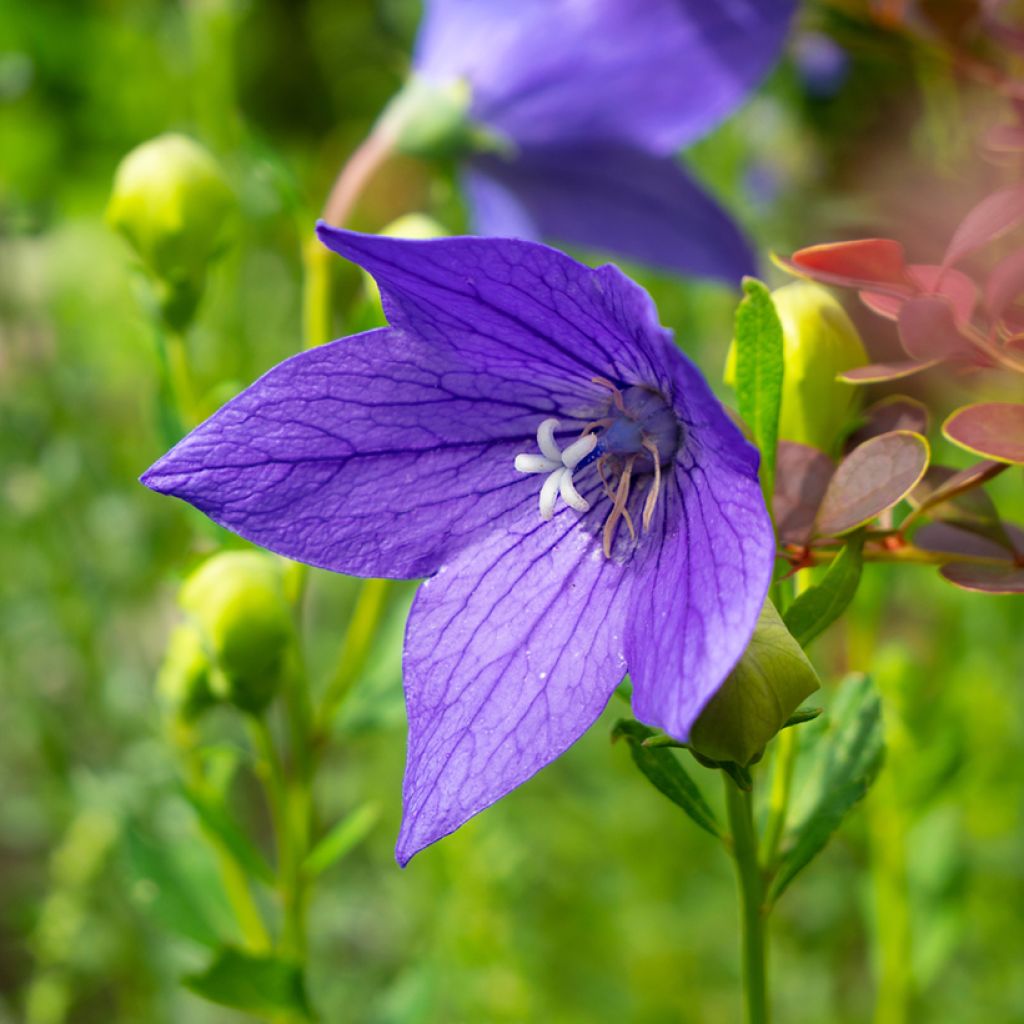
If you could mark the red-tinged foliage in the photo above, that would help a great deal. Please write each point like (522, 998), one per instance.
(858, 264)
(879, 373)
(1005, 284)
(993, 216)
(874, 477)
(897, 412)
(802, 474)
(928, 329)
(992, 429)
(987, 579)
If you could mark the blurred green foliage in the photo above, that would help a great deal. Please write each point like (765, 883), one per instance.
(585, 896)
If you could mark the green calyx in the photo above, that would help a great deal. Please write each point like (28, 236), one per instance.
(236, 603)
(173, 204)
(757, 699)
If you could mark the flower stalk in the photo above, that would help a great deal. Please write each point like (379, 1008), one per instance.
(753, 912)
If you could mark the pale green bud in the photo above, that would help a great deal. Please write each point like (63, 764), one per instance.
(771, 680)
(237, 602)
(184, 677)
(820, 342)
(173, 204)
(428, 119)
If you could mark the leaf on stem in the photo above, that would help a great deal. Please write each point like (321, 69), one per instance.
(987, 579)
(346, 835)
(993, 216)
(874, 477)
(994, 430)
(819, 606)
(896, 412)
(801, 479)
(263, 985)
(928, 329)
(216, 820)
(862, 262)
(879, 373)
(838, 767)
(759, 370)
(954, 284)
(666, 774)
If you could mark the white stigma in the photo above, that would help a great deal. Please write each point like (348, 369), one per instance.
(559, 465)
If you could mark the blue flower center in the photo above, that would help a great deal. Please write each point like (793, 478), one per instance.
(637, 436)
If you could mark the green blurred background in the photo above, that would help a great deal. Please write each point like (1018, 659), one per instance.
(584, 896)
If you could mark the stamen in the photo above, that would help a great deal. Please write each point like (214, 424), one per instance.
(613, 388)
(619, 510)
(652, 495)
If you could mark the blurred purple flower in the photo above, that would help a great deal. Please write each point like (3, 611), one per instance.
(594, 98)
(511, 379)
(822, 64)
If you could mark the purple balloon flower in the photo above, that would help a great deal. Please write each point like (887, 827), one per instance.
(525, 435)
(594, 98)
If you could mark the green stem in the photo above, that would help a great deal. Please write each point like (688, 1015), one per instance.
(179, 377)
(778, 800)
(355, 648)
(753, 914)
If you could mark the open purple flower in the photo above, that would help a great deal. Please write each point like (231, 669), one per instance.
(592, 100)
(527, 436)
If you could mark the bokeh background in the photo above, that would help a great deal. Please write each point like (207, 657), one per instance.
(584, 896)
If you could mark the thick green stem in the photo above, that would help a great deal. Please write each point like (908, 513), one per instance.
(778, 800)
(753, 914)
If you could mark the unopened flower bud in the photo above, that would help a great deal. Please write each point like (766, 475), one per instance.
(820, 342)
(237, 602)
(173, 204)
(184, 678)
(771, 680)
(430, 119)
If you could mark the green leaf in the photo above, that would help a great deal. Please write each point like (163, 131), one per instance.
(839, 767)
(759, 369)
(164, 890)
(770, 682)
(262, 985)
(819, 606)
(340, 840)
(666, 774)
(219, 825)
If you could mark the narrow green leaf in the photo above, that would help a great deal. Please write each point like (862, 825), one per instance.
(167, 894)
(666, 774)
(838, 768)
(340, 840)
(819, 606)
(216, 821)
(759, 369)
(264, 986)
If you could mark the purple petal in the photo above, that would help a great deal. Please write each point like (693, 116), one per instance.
(375, 455)
(611, 198)
(699, 591)
(512, 651)
(518, 311)
(654, 73)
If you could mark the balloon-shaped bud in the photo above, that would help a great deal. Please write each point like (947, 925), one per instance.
(184, 678)
(430, 119)
(237, 602)
(819, 342)
(771, 680)
(173, 204)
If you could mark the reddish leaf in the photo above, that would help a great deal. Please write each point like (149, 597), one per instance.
(867, 261)
(927, 329)
(897, 412)
(1005, 283)
(991, 429)
(993, 216)
(942, 484)
(928, 279)
(987, 579)
(872, 478)
(877, 373)
(1005, 138)
(944, 539)
(802, 474)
